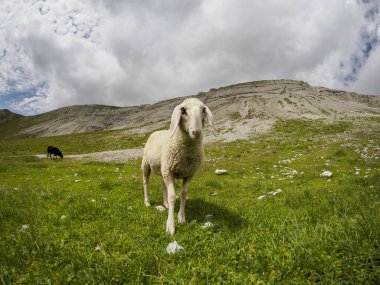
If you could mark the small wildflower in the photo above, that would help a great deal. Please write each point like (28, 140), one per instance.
(209, 217)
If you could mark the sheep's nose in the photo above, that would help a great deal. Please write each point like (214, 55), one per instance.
(197, 134)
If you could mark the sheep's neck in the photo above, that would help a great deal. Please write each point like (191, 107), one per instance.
(185, 155)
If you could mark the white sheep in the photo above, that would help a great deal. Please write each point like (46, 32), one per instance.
(176, 153)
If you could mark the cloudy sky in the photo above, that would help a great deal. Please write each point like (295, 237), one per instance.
(65, 52)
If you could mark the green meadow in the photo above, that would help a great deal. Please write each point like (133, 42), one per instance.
(74, 222)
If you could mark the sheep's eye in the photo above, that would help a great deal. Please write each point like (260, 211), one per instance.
(204, 110)
(183, 110)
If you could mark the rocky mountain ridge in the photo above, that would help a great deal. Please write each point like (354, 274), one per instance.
(238, 109)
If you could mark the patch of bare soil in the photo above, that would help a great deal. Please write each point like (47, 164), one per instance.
(106, 156)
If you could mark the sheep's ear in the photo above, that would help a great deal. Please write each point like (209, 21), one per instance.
(176, 118)
(210, 119)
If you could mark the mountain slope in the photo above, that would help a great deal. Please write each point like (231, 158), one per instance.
(239, 110)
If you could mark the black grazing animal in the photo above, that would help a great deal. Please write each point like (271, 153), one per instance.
(52, 150)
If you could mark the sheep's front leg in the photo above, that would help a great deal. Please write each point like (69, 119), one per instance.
(169, 182)
(181, 213)
(165, 194)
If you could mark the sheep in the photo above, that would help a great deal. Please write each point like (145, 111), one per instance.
(55, 151)
(176, 153)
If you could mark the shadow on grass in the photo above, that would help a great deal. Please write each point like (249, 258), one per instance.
(197, 209)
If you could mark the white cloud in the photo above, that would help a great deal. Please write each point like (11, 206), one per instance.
(133, 52)
(368, 81)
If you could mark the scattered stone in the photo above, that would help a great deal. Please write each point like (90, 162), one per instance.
(24, 228)
(160, 208)
(261, 197)
(173, 248)
(278, 191)
(78, 180)
(213, 194)
(220, 171)
(207, 225)
(326, 174)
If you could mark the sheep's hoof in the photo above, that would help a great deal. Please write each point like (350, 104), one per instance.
(147, 203)
(170, 229)
(181, 219)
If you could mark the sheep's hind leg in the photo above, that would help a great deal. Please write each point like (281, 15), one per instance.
(181, 213)
(165, 194)
(170, 227)
(146, 174)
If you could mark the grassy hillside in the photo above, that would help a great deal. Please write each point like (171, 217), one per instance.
(72, 144)
(73, 222)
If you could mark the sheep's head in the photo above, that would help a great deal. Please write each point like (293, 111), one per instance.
(190, 115)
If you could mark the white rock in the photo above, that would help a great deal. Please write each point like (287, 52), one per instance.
(326, 174)
(261, 197)
(174, 247)
(207, 225)
(278, 191)
(24, 228)
(221, 171)
(160, 208)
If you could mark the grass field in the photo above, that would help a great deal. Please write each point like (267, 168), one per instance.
(66, 221)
